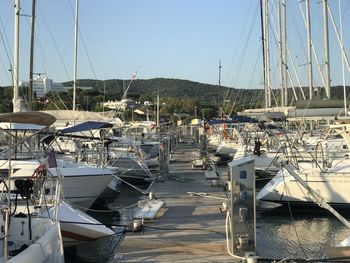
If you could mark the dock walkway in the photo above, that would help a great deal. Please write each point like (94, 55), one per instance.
(189, 228)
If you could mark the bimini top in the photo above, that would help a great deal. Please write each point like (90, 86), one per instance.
(86, 126)
(34, 117)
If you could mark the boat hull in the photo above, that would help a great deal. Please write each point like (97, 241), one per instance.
(284, 189)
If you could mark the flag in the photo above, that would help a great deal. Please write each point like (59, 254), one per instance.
(133, 76)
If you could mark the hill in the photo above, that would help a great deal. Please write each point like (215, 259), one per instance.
(180, 96)
(142, 89)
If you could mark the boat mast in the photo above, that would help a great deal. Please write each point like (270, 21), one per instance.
(158, 122)
(31, 59)
(342, 58)
(15, 70)
(262, 22)
(309, 47)
(267, 56)
(326, 48)
(285, 67)
(75, 53)
(280, 51)
(219, 73)
(219, 90)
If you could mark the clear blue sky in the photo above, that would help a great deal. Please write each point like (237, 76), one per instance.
(162, 38)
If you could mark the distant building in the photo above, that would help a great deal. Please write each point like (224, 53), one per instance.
(43, 85)
(120, 105)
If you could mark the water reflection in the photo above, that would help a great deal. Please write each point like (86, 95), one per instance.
(306, 236)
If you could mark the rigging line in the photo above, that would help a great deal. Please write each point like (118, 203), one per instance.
(236, 49)
(91, 41)
(314, 51)
(52, 100)
(84, 44)
(301, 48)
(296, 73)
(43, 55)
(274, 31)
(291, 216)
(4, 37)
(59, 98)
(343, 15)
(87, 53)
(250, 82)
(82, 38)
(252, 76)
(53, 40)
(292, 84)
(341, 44)
(243, 54)
(38, 43)
(5, 68)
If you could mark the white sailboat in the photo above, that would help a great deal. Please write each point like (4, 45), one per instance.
(332, 183)
(28, 236)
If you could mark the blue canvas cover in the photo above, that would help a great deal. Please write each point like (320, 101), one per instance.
(86, 126)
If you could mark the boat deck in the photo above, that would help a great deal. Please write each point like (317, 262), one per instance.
(189, 228)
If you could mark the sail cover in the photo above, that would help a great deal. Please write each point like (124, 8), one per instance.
(38, 118)
(86, 126)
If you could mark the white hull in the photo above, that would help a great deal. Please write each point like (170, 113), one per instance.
(333, 187)
(82, 185)
(48, 248)
(77, 226)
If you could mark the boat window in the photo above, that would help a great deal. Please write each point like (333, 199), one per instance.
(242, 174)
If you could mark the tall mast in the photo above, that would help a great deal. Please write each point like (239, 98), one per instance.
(342, 58)
(267, 56)
(158, 121)
(75, 53)
(309, 47)
(285, 68)
(15, 70)
(326, 48)
(219, 90)
(262, 22)
(219, 73)
(31, 59)
(280, 51)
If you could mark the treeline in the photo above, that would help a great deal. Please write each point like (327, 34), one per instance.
(178, 98)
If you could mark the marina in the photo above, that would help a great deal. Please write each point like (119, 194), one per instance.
(102, 168)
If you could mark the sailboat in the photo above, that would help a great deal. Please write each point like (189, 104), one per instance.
(27, 236)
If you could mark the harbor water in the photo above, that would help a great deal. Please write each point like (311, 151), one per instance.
(298, 234)
(281, 233)
(115, 212)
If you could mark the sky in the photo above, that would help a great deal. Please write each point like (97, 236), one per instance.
(182, 39)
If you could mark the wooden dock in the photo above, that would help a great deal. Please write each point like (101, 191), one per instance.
(189, 228)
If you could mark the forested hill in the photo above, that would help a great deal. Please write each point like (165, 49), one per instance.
(179, 95)
(142, 89)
